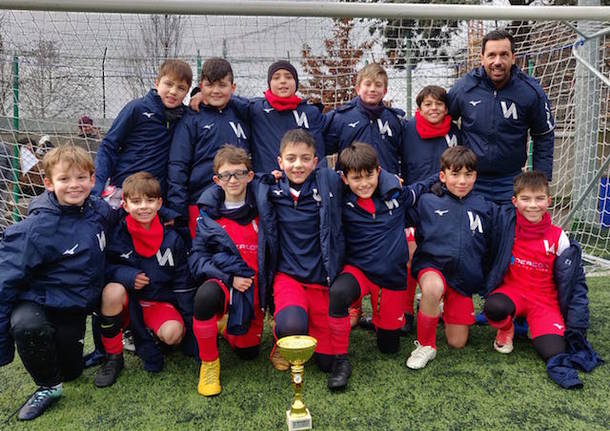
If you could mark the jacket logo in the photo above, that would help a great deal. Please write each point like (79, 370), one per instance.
(268, 110)
(277, 192)
(441, 212)
(167, 257)
(101, 239)
(237, 129)
(127, 255)
(451, 140)
(510, 111)
(208, 126)
(384, 128)
(354, 124)
(391, 204)
(301, 119)
(70, 251)
(548, 116)
(350, 204)
(549, 248)
(474, 102)
(475, 222)
(316, 196)
(148, 114)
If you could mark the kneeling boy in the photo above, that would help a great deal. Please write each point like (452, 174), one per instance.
(453, 235)
(51, 276)
(226, 253)
(374, 219)
(148, 283)
(543, 281)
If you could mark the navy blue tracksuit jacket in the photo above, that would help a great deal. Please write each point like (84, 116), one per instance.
(138, 140)
(55, 258)
(197, 138)
(350, 123)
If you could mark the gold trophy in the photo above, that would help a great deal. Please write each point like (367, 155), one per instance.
(297, 349)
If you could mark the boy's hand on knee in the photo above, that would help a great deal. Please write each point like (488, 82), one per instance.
(241, 283)
(141, 281)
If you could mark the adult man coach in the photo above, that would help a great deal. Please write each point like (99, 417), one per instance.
(499, 105)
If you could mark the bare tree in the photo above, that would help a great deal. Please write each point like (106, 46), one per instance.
(160, 38)
(6, 74)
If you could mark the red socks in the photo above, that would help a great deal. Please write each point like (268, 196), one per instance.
(205, 332)
(339, 334)
(426, 329)
(113, 345)
(503, 324)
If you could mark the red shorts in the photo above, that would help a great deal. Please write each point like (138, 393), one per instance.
(155, 314)
(388, 305)
(193, 215)
(313, 298)
(457, 308)
(542, 318)
(410, 234)
(255, 332)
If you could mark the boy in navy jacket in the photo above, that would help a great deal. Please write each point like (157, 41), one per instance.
(541, 279)
(140, 136)
(225, 261)
(199, 135)
(366, 119)
(453, 234)
(424, 139)
(51, 276)
(147, 283)
(302, 224)
(374, 219)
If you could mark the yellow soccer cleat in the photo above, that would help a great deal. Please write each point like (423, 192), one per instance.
(209, 378)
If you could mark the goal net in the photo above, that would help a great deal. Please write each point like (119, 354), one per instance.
(60, 71)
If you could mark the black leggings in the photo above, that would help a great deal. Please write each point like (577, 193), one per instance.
(49, 342)
(343, 292)
(499, 306)
(210, 301)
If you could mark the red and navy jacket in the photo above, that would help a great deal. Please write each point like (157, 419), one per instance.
(216, 254)
(55, 258)
(350, 123)
(571, 284)
(453, 236)
(495, 123)
(421, 158)
(268, 126)
(376, 243)
(305, 236)
(138, 140)
(169, 282)
(197, 138)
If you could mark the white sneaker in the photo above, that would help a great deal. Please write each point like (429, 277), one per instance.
(420, 356)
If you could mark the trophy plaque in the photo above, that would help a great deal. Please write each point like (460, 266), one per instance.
(297, 349)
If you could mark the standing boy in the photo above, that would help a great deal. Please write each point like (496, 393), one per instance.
(147, 282)
(453, 235)
(225, 259)
(374, 219)
(538, 275)
(302, 224)
(366, 119)
(199, 135)
(51, 276)
(424, 139)
(140, 137)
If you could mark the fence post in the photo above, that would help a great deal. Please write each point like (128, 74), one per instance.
(15, 163)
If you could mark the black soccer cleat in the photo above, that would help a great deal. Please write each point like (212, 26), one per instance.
(342, 370)
(38, 403)
(109, 372)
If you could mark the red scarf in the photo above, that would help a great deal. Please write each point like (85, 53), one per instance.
(427, 130)
(366, 204)
(527, 230)
(282, 103)
(145, 241)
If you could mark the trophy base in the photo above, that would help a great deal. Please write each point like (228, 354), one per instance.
(299, 423)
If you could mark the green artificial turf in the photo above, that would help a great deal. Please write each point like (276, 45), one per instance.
(471, 389)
